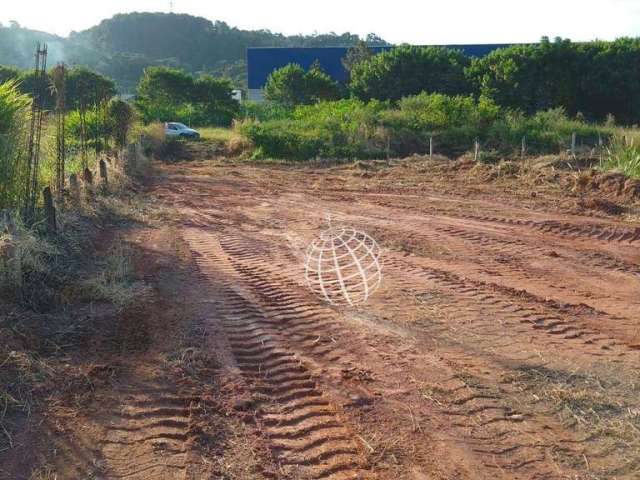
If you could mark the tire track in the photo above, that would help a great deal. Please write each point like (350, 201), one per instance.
(149, 434)
(306, 432)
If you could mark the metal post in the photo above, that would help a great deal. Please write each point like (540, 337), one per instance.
(477, 150)
(430, 148)
(523, 147)
(573, 144)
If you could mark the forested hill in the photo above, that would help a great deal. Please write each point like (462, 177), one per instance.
(122, 46)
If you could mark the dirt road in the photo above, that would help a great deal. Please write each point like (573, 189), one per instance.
(503, 343)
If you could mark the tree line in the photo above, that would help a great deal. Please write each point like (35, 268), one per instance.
(595, 80)
(123, 46)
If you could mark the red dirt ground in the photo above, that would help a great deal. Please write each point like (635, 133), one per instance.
(503, 343)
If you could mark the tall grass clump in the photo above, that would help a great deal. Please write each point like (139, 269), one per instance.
(623, 156)
(356, 129)
(14, 119)
(341, 129)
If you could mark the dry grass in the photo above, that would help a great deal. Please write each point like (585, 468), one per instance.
(112, 280)
(601, 404)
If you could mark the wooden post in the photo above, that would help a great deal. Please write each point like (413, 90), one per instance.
(573, 144)
(523, 146)
(103, 173)
(49, 210)
(388, 146)
(430, 148)
(74, 187)
(476, 155)
(87, 176)
(87, 180)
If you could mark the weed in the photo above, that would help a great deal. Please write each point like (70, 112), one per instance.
(623, 156)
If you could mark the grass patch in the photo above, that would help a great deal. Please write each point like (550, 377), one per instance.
(353, 129)
(602, 404)
(215, 134)
(623, 156)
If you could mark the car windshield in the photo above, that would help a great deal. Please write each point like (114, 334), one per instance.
(178, 126)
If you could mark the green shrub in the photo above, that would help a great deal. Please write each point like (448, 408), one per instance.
(355, 129)
(121, 117)
(264, 111)
(623, 156)
(342, 129)
(14, 111)
(172, 95)
(291, 85)
(409, 70)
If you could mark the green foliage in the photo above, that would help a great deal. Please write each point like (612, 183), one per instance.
(408, 70)
(359, 53)
(291, 85)
(86, 87)
(14, 109)
(121, 117)
(342, 129)
(264, 111)
(595, 78)
(82, 86)
(623, 157)
(169, 94)
(355, 129)
(123, 46)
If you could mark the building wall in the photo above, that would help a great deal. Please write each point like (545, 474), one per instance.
(255, 95)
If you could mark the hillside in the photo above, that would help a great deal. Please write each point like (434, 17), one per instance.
(122, 46)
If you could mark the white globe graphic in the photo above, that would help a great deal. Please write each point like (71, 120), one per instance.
(342, 266)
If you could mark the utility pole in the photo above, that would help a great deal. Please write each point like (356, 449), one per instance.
(170, 6)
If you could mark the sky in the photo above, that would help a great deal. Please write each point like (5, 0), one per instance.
(397, 21)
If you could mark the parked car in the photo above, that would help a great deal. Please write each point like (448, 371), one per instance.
(175, 129)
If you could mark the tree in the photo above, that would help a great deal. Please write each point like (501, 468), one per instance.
(169, 94)
(319, 86)
(360, 52)
(121, 116)
(595, 78)
(161, 91)
(286, 85)
(409, 70)
(8, 73)
(88, 88)
(212, 100)
(291, 85)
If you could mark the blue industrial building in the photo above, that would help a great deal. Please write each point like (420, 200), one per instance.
(262, 61)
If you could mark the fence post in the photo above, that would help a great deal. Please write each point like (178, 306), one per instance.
(431, 148)
(87, 180)
(103, 173)
(476, 155)
(49, 210)
(74, 187)
(523, 146)
(573, 144)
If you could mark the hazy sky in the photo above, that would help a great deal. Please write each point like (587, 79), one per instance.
(411, 21)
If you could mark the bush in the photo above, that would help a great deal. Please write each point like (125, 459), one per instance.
(342, 129)
(291, 85)
(14, 111)
(121, 117)
(405, 71)
(355, 129)
(172, 95)
(264, 111)
(595, 78)
(623, 156)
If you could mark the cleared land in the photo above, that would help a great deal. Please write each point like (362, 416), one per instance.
(504, 342)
